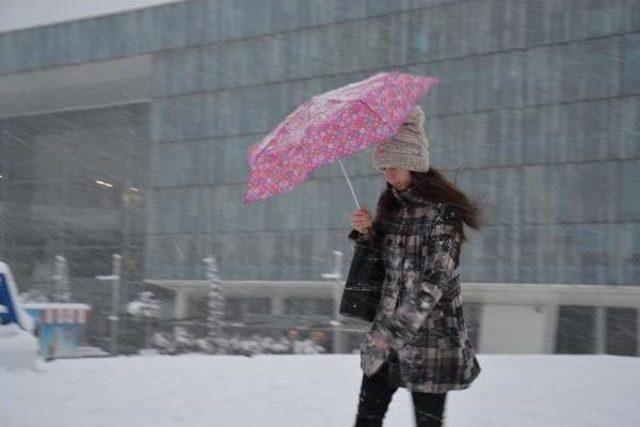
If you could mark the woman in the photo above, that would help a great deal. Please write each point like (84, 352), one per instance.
(418, 339)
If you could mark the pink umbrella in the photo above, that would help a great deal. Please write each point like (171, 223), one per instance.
(331, 126)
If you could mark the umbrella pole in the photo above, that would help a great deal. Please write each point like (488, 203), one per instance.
(349, 182)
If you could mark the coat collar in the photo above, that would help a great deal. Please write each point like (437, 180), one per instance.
(409, 196)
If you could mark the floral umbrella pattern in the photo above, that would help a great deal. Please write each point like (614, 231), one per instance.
(331, 126)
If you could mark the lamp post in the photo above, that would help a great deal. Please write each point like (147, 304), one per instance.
(114, 277)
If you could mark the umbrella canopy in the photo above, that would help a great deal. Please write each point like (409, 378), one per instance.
(331, 126)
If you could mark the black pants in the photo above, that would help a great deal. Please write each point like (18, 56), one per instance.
(376, 394)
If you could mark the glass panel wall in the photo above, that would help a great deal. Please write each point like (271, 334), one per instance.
(73, 184)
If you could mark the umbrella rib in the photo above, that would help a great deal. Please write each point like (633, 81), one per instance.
(349, 182)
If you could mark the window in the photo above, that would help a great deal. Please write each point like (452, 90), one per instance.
(576, 327)
(309, 306)
(232, 308)
(577, 330)
(622, 331)
(258, 305)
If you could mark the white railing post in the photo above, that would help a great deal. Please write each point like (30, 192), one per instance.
(336, 276)
(601, 330)
(114, 278)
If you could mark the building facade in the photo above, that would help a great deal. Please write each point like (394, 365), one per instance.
(537, 116)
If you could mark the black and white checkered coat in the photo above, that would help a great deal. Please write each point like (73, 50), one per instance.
(420, 311)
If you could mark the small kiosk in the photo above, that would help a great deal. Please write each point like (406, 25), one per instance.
(60, 327)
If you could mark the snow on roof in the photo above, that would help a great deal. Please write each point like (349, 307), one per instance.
(56, 306)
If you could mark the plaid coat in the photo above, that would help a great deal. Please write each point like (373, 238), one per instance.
(420, 310)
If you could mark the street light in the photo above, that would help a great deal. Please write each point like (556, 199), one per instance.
(114, 278)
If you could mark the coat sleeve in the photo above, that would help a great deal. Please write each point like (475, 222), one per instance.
(442, 249)
(355, 237)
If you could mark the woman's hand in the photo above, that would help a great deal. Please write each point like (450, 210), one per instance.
(361, 220)
(380, 342)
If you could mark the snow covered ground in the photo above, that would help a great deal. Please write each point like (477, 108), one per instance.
(18, 348)
(310, 390)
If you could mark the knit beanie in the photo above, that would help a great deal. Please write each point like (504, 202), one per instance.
(408, 148)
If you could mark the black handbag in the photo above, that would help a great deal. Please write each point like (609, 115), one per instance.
(363, 286)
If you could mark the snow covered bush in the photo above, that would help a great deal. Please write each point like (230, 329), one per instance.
(145, 310)
(186, 342)
(307, 347)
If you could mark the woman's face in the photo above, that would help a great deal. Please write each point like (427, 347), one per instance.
(399, 178)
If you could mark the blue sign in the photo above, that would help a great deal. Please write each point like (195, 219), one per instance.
(7, 304)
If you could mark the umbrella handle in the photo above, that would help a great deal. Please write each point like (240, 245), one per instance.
(349, 182)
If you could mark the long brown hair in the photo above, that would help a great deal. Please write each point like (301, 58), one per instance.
(435, 186)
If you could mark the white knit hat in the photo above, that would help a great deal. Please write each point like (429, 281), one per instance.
(408, 148)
